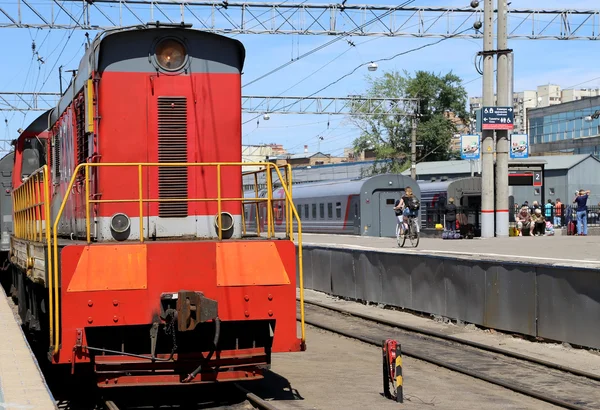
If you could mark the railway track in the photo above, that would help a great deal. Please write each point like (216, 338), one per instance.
(559, 385)
(251, 400)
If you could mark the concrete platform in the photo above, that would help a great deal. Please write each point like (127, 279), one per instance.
(541, 287)
(22, 385)
(568, 251)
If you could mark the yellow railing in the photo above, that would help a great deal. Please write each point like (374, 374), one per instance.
(31, 220)
(289, 226)
(269, 167)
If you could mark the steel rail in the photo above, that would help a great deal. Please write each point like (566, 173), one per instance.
(255, 400)
(110, 405)
(426, 358)
(455, 339)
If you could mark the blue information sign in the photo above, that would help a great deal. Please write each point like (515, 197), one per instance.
(519, 146)
(469, 146)
(497, 118)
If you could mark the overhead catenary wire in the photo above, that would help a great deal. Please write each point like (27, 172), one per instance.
(366, 63)
(61, 53)
(322, 46)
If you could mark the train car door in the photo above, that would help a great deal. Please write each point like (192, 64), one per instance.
(387, 216)
(473, 205)
(354, 214)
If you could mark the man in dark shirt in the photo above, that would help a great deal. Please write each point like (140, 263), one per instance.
(450, 213)
(581, 201)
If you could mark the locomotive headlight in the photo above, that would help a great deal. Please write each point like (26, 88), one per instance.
(120, 225)
(170, 54)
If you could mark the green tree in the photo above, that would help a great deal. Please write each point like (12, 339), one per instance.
(388, 131)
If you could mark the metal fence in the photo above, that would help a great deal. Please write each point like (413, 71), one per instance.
(470, 218)
(561, 216)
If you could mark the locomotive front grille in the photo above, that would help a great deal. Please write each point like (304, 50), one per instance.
(172, 148)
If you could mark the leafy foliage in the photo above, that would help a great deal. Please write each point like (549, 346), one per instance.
(388, 132)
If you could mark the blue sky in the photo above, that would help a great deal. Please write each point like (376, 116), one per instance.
(567, 63)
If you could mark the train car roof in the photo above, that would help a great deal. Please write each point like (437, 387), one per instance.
(434, 186)
(427, 186)
(344, 187)
(37, 126)
(6, 162)
(92, 58)
(327, 188)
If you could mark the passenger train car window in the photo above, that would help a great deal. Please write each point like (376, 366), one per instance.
(322, 211)
(338, 210)
(314, 211)
(306, 211)
(330, 210)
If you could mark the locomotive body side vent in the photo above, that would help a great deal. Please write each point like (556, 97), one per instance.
(172, 148)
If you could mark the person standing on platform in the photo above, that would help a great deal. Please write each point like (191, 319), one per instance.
(581, 201)
(558, 213)
(548, 210)
(450, 213)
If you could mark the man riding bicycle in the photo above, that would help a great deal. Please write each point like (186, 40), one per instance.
(406, 206)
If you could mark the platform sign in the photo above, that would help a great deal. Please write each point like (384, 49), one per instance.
(538, 178)
(497, 118)
(469, 146)
(519, 146)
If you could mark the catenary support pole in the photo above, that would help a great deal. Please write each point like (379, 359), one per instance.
(505, 98)
(413, 149)
(487, 136)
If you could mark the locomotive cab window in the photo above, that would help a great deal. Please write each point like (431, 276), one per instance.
(34, 156)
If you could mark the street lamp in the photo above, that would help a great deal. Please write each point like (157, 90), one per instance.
(373, 66)
(266, 116)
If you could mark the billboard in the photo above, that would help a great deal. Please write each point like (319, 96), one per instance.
(519, 146)
(469, 146)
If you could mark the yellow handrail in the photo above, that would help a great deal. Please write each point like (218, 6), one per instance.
(55, 308)
(28, 202)
(288, 195)
(31, 216)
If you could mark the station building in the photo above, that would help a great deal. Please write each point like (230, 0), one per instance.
(559, 175)
(567, 128)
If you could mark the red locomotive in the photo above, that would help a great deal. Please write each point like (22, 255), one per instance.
(128, 243)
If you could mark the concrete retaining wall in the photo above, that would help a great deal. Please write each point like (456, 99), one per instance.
(556, 303)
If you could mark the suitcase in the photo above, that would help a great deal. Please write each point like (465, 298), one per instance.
(571, 228)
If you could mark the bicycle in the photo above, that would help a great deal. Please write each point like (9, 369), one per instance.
(412, 233)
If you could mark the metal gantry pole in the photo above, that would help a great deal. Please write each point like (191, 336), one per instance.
(487, 136)
(505, 98)
(413, 148)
